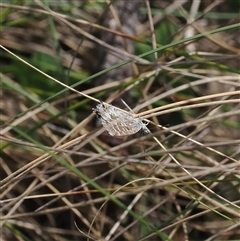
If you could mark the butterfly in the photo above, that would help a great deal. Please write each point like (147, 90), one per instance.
(118, 122)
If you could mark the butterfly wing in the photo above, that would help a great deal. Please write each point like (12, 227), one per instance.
(117, 122)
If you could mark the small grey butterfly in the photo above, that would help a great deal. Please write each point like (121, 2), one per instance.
(117, 122)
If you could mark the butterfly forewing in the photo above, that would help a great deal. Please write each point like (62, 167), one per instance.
(117, 122)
